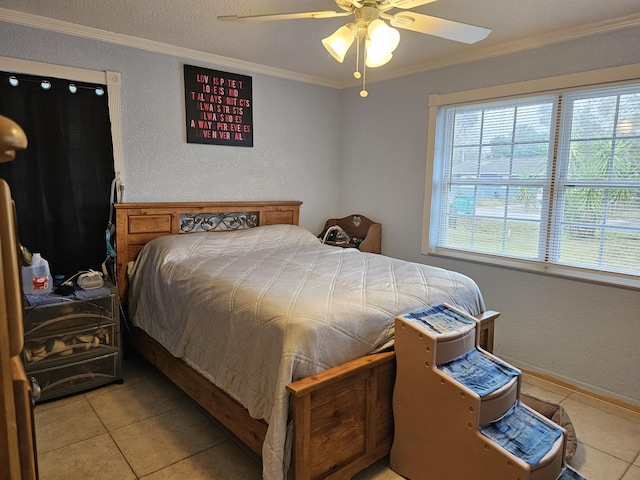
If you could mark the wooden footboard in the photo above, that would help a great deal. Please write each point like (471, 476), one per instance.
(342, 417)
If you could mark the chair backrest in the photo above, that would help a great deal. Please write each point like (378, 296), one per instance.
(361, 226)
(352, 224)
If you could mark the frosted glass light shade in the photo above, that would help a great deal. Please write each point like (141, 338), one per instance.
(339, 43)
(376, 57)
(373, 62)
(382, 36)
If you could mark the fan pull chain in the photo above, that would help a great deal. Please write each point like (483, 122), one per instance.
(356, 74)
(363, 92)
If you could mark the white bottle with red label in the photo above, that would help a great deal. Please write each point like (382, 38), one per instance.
(36, 278)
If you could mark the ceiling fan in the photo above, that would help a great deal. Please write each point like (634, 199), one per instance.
(369, 26)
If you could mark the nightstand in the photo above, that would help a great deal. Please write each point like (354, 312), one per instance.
(73, 346)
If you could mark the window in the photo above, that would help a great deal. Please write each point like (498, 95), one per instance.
(546, 181)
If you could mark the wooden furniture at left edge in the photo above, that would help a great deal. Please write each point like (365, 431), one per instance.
(18, 459)
(342, 417)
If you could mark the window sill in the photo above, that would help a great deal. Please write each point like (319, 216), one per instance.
(563, 271)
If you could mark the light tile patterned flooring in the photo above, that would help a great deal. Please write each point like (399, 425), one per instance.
(147, 429)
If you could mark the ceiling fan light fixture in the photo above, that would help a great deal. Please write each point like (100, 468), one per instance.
(373, 63)
(373, 29)
(382, 36)
(339, 43)
(376, 57)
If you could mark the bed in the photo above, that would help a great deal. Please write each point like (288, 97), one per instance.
(306, 388)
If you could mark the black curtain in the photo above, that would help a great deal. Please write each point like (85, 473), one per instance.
(61, 182)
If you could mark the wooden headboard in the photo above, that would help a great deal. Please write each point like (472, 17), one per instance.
(139, 223)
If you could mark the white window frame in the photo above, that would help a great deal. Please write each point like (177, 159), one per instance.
(608, 77)
(111, 79)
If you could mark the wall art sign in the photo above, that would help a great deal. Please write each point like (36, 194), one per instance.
(218, 107)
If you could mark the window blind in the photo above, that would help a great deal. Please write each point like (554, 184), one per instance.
(552, 179)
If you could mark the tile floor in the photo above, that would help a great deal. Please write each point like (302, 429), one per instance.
(147, 429)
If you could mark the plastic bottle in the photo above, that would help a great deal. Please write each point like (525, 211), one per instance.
(36, 278)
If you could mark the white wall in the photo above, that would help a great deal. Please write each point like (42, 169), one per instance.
(296, 149)
(581, 333)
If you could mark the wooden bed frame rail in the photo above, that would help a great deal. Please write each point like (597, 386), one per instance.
(342, 417)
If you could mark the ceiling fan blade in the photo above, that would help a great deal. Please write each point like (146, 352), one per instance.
(439, 27)
(406, 4)
(284, 16)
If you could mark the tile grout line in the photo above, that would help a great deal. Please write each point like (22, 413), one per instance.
(628, 464)
(598, 448)
(124, 457)
(109, 431)
(183, 459)
(624, 474)
(77, 441)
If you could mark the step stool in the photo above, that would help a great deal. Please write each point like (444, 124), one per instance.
(456, 409)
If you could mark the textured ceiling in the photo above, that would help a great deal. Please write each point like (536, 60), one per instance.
(294, 45)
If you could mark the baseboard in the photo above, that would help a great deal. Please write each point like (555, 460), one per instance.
(604, 398)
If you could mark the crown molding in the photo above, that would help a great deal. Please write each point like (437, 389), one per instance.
(59, 26)
(543, 40)
(559, 36)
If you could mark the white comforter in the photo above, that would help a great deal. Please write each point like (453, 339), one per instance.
(254, 310)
